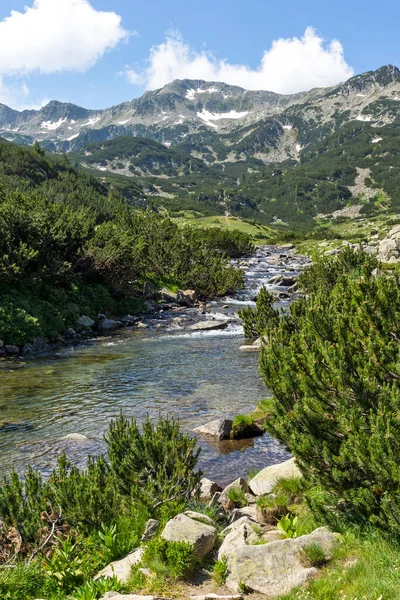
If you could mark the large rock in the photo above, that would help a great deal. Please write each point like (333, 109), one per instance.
(265, 480)
(250, 511)
(109, 325)
(168, 296)
(209, 325)
(241, 536)
(184, 529)
(121, 569)
(85, 322)
(282, 280)
(208, 489)
(236, 524)
(220, 428)
(389, 247)
(37, 346)
(11, 350)
(276, 568)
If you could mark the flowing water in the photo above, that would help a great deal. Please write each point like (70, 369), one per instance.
(166, 370)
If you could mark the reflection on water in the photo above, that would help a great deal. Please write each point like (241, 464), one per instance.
(194, 377)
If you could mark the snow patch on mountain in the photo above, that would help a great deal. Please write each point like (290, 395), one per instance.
(51, 126)
(208, 117)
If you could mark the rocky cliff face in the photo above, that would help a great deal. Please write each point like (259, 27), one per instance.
(214, 121)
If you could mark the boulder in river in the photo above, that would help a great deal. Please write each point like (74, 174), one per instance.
(282, 280)
(168, 296)
(219, 428)
(209, 325)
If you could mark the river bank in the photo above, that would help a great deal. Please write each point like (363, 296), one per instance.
(165, 368)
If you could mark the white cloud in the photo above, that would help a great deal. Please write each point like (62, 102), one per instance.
(17, 96)
(289, 65)
(57, 35)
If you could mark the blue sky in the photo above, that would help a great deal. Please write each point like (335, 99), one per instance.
(96, 53)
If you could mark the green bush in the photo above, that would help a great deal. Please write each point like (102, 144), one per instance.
(154, 464)
(333, 366)
(170, 559)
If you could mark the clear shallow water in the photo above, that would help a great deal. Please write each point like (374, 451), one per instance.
(195, 377)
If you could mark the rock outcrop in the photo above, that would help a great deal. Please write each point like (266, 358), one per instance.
(276, 568)
(389, 247)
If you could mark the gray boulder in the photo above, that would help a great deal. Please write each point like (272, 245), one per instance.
(109, 325)
(276, 568)
(236, 524)
(199, 517)
(208, 489)
(168, 296)
(150, 530)
(184, 529)
(265, 480)
(121, 569)
(11, 350)
(85, 322)
(220, 428)
(241, 536)
(282, 280)
(209, 325)
(389, 247)
(77, 437)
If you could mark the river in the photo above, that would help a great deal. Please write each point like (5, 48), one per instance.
(193, 376)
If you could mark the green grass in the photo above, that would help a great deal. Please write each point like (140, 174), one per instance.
(366, 566)
(259, 233)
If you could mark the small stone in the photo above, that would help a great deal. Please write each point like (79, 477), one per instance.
(150, 530)
(142, 325)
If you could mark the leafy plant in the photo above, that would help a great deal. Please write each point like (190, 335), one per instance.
(64, 565)
(92, 590)
(220, 571)
(236, 497)
(288, 525)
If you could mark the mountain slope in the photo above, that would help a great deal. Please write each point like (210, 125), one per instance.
(195, 145)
